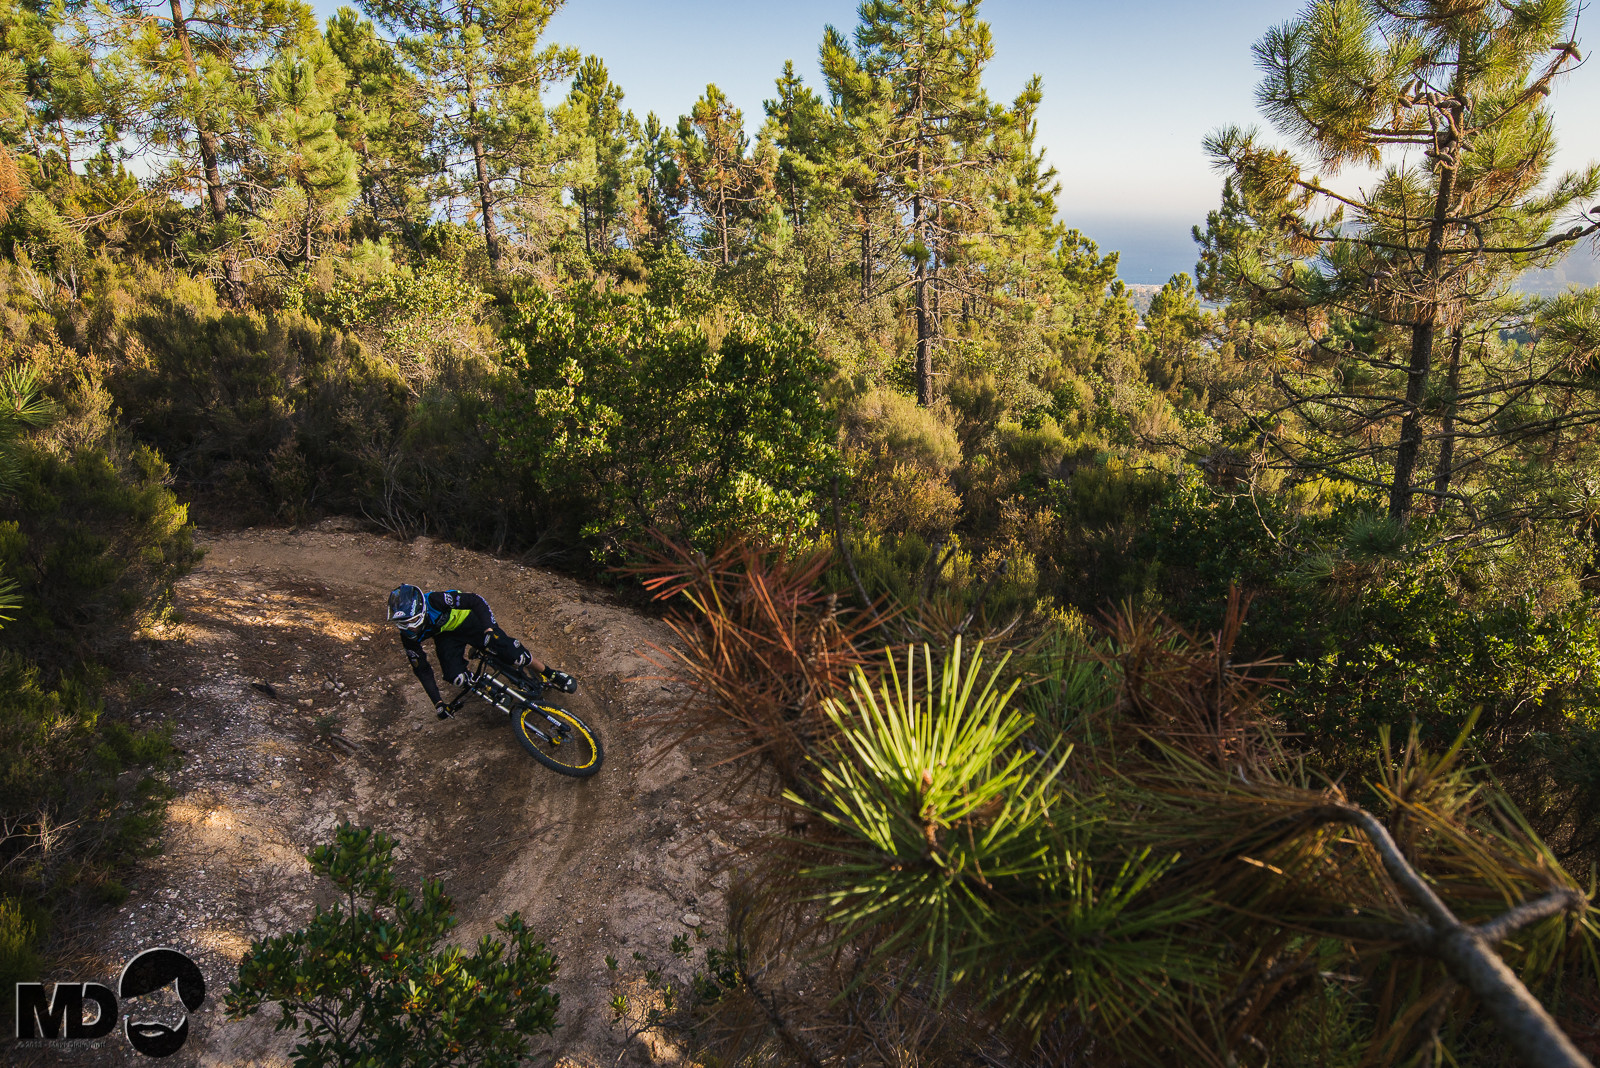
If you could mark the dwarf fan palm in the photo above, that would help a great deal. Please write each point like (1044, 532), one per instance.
(22, 408)
(952, 842)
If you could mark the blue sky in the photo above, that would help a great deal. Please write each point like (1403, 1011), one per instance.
(1130, 90)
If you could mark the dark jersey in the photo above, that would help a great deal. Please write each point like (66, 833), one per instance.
(454, 620)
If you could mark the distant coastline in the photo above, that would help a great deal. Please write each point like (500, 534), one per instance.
(1152, 254)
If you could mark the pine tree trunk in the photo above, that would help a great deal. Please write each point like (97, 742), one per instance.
(924, 371)
(306, 230)
(1422, 333)
(918, 227)
(491, 239)
(216, 192)
(1447, 432)
(936, 279)
(866, 259)
(66, 149)
(722, 222)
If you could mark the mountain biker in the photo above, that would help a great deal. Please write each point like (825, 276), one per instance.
(456, 620)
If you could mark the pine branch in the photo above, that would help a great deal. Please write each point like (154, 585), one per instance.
(1467, 951)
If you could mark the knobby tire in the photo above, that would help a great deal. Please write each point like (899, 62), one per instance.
(579, 761)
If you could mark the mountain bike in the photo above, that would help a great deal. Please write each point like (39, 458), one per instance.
(553, 736)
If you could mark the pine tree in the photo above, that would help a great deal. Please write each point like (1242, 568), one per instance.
(1393, 305)
(859, 131)
(806, 137)
(382, 119)
(1002, 257)
(49, 101)
(191, 80)
(731, 183)
(912, 95)
(49, 96)
(608, 176)
(665, 194)
(483, 69)
(299, 141)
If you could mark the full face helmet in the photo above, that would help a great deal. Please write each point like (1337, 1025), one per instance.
(407, 609)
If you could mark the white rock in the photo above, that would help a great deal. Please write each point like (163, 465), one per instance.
(691, 920)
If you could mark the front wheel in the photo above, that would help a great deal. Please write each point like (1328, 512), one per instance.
(559, 740)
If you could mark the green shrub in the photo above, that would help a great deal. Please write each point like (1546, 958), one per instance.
(366, 981)
(417, 319)
(19, 961)
(1412, 651)
(79, 798)
(444, 476)
(890, 426)
(1033, 450)
(94, 542)
(1376, 635)
(256, 406)
(901, 457)
(90, 543)
(626, 417)
(72, 807)
(277, 414)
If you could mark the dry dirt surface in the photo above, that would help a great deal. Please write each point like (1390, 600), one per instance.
(295, 709)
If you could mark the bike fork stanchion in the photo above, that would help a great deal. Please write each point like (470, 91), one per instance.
(502, 690)
(480, 687)
(487, 696)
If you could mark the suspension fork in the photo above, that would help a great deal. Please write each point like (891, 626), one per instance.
(487, 685)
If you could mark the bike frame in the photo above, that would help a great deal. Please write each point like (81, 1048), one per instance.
(489, 681)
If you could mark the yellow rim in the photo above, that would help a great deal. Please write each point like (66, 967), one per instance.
(594, 750)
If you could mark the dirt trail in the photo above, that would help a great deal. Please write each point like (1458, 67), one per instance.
(609, 864)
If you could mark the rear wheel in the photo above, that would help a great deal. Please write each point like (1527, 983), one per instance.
(559, 740)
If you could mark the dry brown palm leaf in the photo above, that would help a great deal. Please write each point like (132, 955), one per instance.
(1186, 690)
(759, 648)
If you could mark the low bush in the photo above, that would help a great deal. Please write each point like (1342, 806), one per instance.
(94, 542)
(625, 417)
(79, 794)
(368, 982)
(91, 540)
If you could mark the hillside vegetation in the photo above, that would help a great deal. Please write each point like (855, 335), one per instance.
(1278, 592)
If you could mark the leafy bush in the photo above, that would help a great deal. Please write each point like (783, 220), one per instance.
(883, 422)
(626, 417)
(1377, 636)
(902, 456)
(90, 543)
(366, 981)
(91, 546)
(94, 542)
(70, 807)
(19, 963)
(419, 319)
(254, 406)
(1410, 651)
(442, 475)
